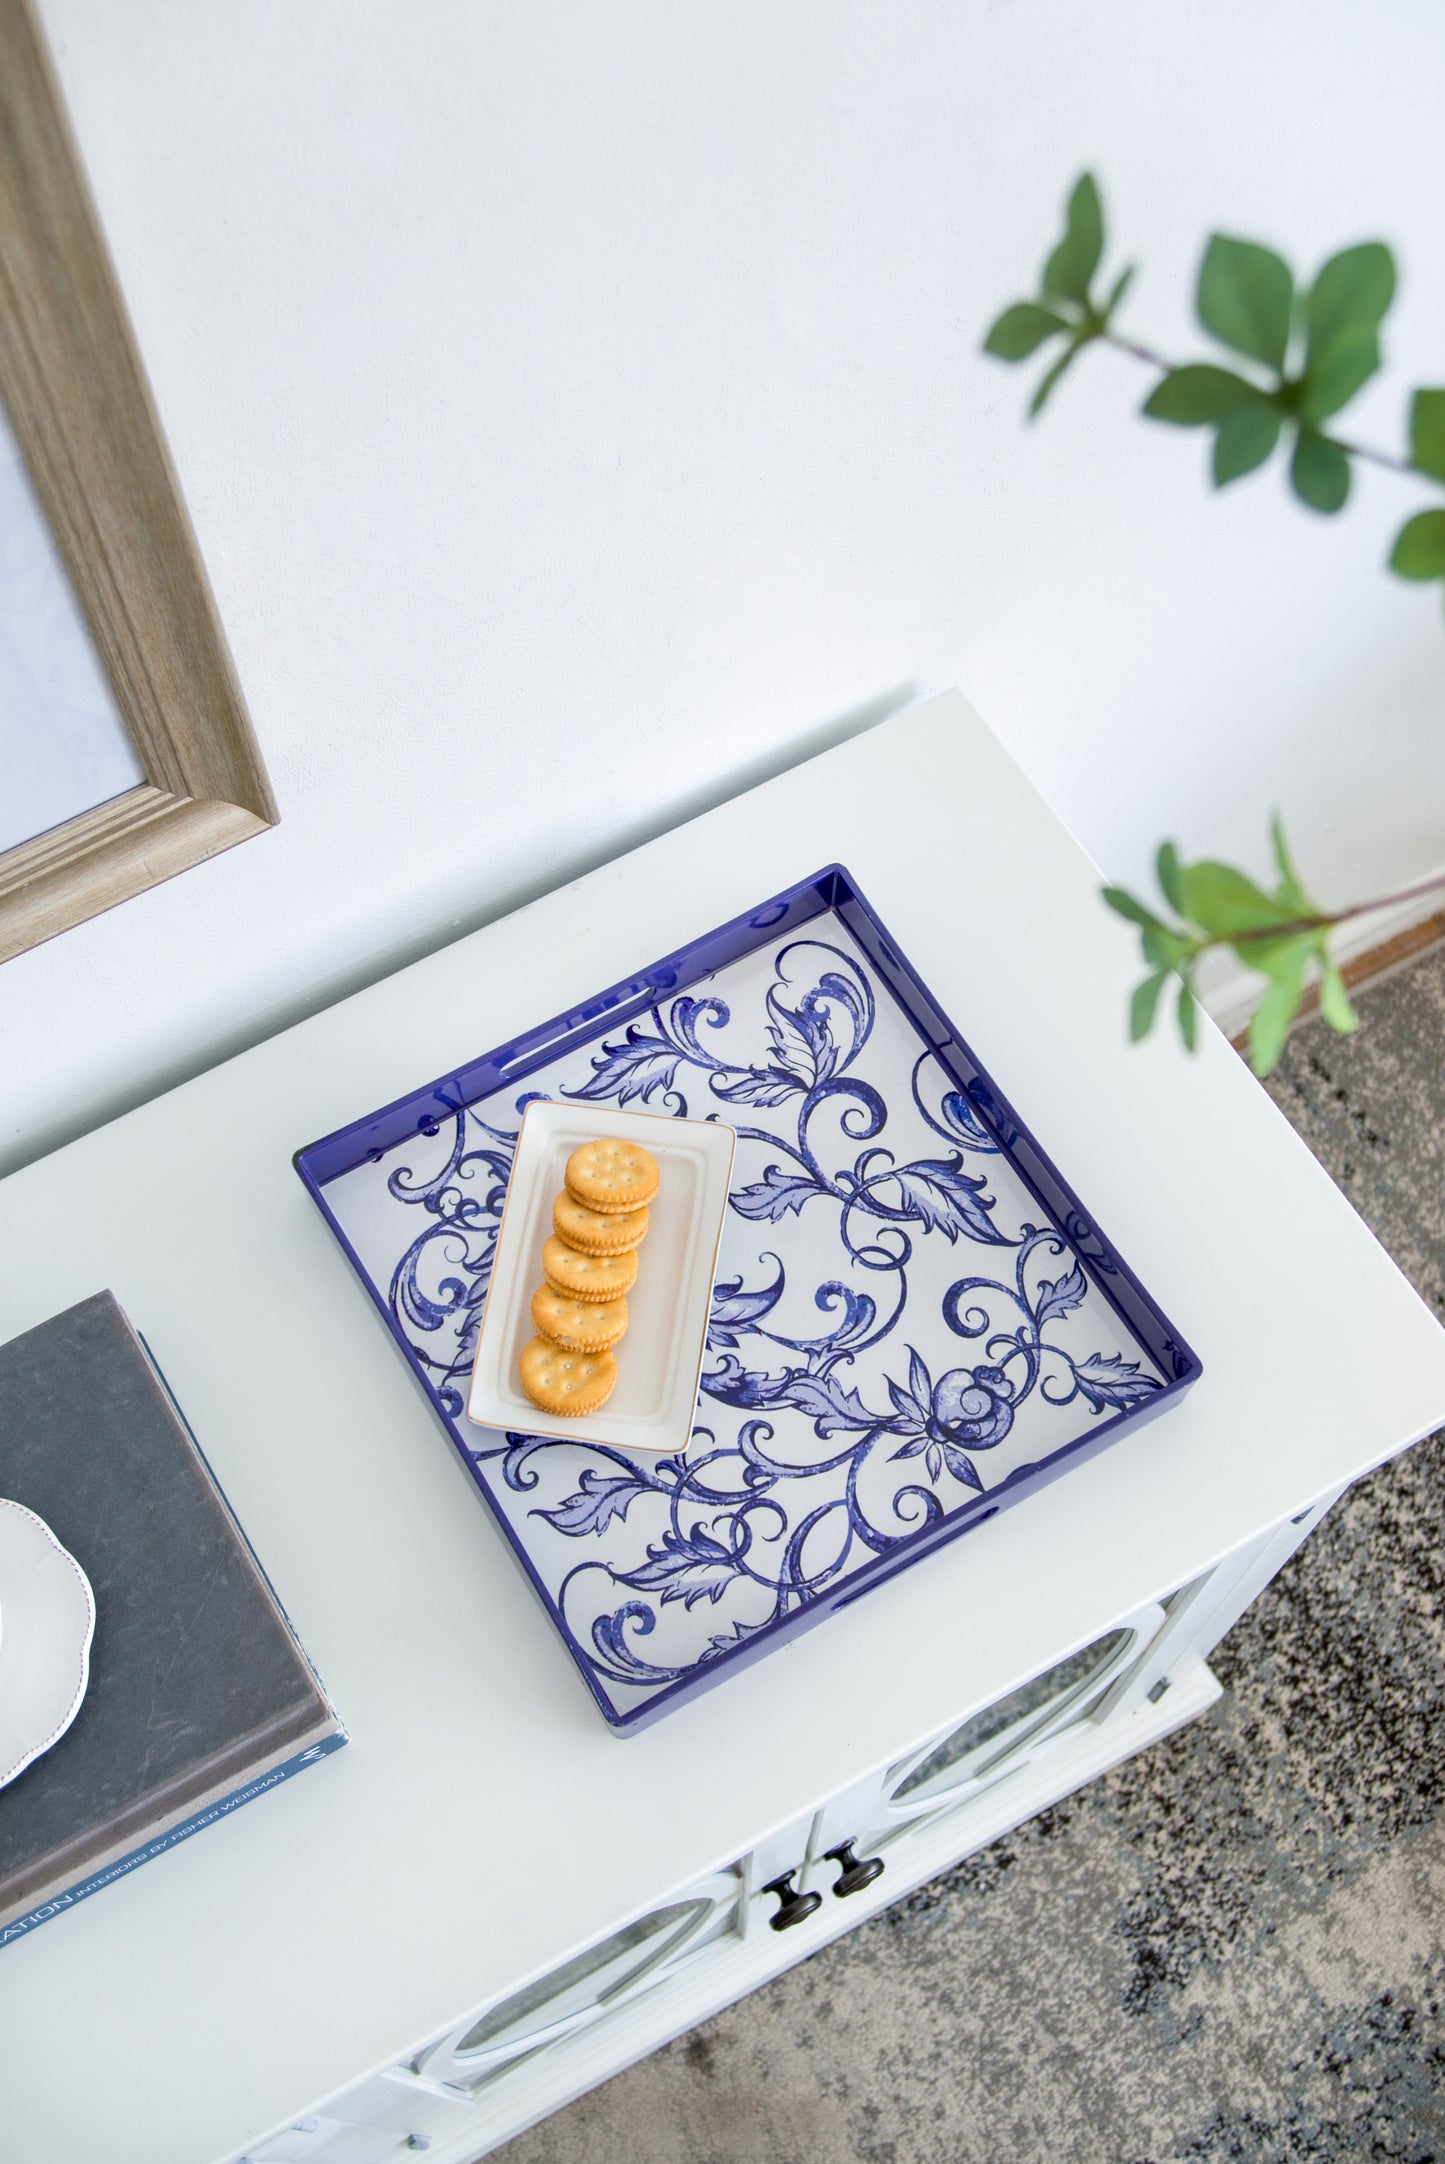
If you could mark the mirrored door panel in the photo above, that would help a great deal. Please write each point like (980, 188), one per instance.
(579, 1991)
(1004, 1735)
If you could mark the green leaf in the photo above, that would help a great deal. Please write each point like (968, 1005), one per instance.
(1245, 440)
(1334, 385)
(1117, 291)
(1224, 902)
(1343, 314)
(1419, 551)
(1269, 1024)
(1021, 330)
(1124, 904)
(1245, 297)
(1142, 1005)
(1290, 893)
(1188, 1015)
(1052, 375)
(1165, 949)
(1281, 960)
(1171, 882)
(1319, 472)
(1284, 962)
(1199, 396)
(1427, 433)
(1334, 999)
(1350, 295)
(1075, 260)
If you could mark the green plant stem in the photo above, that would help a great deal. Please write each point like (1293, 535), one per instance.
(1151, 359)
(1324, 923)
(1376, 458)
(1136, 352)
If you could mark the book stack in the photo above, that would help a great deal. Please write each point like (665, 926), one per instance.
(200, 1696)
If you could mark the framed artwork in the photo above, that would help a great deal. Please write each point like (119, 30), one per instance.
(121, 721)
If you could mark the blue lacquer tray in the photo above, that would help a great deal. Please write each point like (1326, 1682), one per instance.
(914, 1320)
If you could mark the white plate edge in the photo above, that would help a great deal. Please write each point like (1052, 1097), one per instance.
(7, 1775)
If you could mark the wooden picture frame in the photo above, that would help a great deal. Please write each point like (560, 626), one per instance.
(72, 383)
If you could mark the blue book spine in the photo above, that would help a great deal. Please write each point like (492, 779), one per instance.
(179, 1832)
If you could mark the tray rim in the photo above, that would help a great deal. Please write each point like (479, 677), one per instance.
(831, 889)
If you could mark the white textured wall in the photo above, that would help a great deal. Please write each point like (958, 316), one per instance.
(580, 411)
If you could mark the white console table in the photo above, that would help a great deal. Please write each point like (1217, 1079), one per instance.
(488, 1903)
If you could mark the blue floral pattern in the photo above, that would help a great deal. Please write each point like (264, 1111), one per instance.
(893, 1331)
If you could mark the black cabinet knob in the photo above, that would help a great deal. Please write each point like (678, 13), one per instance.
(792, 1905)
(856, 1873)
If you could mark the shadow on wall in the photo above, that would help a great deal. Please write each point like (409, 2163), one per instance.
(823, 736)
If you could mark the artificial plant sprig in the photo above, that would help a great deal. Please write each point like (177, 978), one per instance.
(1282, 935)
(1298, 358)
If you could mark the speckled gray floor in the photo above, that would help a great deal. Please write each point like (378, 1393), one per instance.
(1232, 1948)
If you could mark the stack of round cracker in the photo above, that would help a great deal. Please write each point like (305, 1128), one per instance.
(589, 1264)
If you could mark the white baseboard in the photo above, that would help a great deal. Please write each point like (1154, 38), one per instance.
(1232, 999)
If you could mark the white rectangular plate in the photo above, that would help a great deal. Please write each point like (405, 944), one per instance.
(660, 1359)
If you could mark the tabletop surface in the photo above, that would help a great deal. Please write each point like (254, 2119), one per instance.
(483, 1819)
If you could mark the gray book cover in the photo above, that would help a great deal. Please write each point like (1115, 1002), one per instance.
(200, 1695)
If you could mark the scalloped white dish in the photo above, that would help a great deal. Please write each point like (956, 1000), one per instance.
(47, 1617)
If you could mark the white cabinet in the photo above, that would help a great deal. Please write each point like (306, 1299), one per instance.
(329, 2140)
(633, 1904)
(500, 2066)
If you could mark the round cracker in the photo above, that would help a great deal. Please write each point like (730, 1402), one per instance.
(595, 1233)
(578, 1325)
(610, 1175)
(566, 1382)
(587, 1277)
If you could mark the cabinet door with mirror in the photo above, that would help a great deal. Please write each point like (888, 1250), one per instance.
(952, 1769)
(579, 1991)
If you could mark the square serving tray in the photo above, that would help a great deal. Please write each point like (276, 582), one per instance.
(914, 1321)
